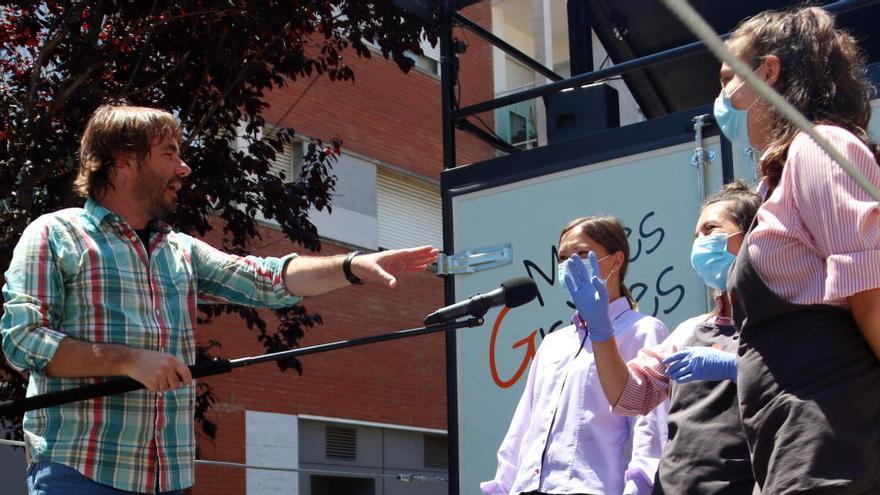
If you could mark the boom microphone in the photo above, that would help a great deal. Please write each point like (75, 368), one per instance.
(512, 293)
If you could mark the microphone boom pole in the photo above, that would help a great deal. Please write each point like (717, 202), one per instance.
(216, 367)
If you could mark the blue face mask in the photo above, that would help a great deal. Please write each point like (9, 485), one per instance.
(562, 271)
(711, 259)
(733, 122)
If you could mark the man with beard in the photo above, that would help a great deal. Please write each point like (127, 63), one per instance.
(111, 290)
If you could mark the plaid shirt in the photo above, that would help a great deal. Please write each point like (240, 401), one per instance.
(85, 273)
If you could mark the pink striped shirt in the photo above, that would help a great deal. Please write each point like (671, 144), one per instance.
(648, 386)
(818, 236)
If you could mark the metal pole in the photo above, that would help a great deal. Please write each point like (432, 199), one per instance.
(216, 367)
(506, 47)
(448, 79)
(580, 80)
(624, 67)
(580, 39)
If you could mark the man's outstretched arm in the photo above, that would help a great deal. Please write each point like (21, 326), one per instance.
(314, 275)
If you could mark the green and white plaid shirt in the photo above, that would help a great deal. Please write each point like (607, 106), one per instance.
(84, 272)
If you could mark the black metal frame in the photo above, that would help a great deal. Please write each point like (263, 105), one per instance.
(449, 78)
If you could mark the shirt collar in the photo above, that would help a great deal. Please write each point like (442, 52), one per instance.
(618, 307)
(763, 189)
(716, 318)
(721, 321)
(99, 213)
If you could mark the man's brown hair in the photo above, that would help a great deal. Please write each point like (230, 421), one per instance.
(115, 129)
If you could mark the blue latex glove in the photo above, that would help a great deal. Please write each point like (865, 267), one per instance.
(701, 363)
(589, 296)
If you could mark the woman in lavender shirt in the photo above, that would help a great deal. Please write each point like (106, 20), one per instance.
(563, 438)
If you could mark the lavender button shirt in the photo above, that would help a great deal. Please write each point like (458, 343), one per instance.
(563, 437)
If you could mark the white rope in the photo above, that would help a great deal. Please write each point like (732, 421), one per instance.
(405, 477)
(692, 20)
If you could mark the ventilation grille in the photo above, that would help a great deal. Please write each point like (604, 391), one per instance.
(436, 452)
(340, 442)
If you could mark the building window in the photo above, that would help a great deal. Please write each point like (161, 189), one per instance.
(425, 62)
(429, 60)
(288, 163)
(408, 211)
(516, 123)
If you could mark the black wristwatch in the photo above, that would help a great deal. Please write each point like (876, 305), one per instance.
(346, 268)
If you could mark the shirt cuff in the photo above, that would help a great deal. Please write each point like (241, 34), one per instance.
(636, 399)
(629, 403)
(638, 476)
(34, 353)
(278, 285)
(492, 487)
(851, 273)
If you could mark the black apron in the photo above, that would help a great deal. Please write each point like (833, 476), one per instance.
(707, 451)
(809, 392)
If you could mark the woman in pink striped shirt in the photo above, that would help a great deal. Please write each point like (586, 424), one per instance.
(695, 367)
(805, 288)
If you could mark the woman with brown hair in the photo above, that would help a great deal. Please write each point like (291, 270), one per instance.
(563, 438)
(806, 285)
(695, 368)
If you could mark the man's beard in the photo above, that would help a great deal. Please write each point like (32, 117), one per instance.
(154, 201)
(162, 209)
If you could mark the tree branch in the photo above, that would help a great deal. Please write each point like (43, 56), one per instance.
(137, 65)
(235, 82)
(205, 73)
(165, 74)
(43, 57)
(59, 101)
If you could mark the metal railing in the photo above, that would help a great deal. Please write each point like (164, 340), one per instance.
(405, 477)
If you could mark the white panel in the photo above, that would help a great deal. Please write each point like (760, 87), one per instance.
(409, 211)
(271, 440)
(346, 226)
(655, 195)
(353, 220)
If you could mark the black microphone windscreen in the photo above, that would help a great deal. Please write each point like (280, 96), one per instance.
(518, 291)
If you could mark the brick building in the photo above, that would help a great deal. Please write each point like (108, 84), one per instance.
(374, 409)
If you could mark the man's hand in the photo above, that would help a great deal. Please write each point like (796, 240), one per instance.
(383, 266)
(157, 371)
